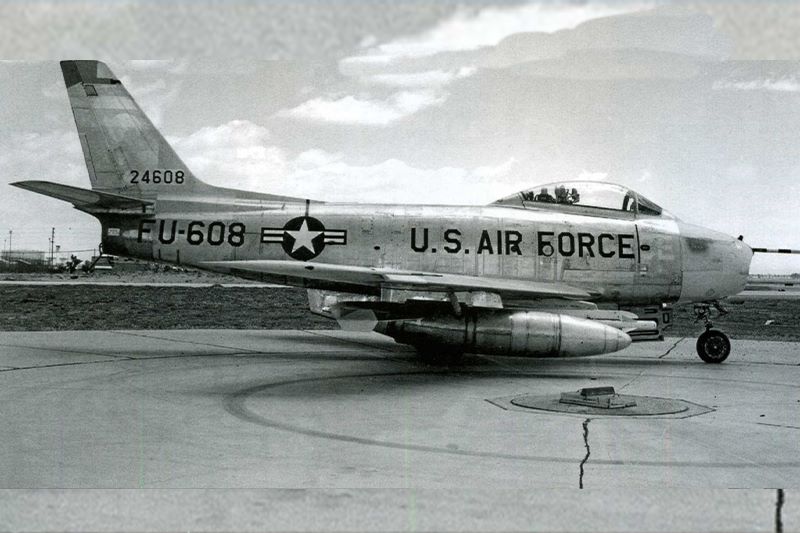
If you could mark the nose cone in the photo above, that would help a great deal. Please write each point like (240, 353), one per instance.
(715, 265)
(744, 256)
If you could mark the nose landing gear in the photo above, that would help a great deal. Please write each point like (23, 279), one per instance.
(713, 346)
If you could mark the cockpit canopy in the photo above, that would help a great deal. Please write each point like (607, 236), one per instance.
(585, 197)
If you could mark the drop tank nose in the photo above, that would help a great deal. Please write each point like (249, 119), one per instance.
(580, 337)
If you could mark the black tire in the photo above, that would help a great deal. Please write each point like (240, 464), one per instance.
(713, 346)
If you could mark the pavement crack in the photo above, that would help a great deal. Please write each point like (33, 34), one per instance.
(588, 451)
(663, 355)
(779, 511)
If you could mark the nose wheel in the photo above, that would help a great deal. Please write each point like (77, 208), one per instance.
(713, 346)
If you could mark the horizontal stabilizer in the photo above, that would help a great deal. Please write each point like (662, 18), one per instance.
(82, 197)
(380, 278)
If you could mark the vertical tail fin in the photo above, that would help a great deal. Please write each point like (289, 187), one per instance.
(124, 152)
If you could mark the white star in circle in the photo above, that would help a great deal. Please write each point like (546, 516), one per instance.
(303, 238)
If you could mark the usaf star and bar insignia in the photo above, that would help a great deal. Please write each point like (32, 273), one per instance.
(303, 238)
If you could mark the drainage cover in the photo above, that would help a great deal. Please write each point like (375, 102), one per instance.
(600, 397)
(602, 401)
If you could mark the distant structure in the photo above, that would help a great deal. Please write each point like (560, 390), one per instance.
(33, 256)
(24, 261)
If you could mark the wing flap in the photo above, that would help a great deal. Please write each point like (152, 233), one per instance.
(378, 278)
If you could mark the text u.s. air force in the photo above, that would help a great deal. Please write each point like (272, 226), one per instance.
(513, 242)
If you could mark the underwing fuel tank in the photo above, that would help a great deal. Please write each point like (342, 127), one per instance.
(509, 332)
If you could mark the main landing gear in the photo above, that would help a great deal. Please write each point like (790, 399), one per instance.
(713, 346)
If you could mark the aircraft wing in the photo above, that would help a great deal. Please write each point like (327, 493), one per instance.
(345, 277)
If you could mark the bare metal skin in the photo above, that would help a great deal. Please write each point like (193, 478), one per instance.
(545, 272)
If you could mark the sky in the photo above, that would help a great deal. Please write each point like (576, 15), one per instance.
(696, 106)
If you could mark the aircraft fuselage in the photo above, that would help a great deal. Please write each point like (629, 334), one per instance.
(632, 260)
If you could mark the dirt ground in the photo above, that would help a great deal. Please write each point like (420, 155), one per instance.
(76, 307)
(746, 320)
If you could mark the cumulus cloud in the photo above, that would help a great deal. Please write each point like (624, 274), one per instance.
(237, 154)
(415, 91)
(470, 28)
(467, 30)
(396, 181)
(451, 50)
(372, 112)
(240, 154)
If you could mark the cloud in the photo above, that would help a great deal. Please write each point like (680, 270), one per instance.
(53, 150)
(663, 42)
(240, 154)
(428, 78)
(496, 172)
(395, 181)
(605, 65)
(490, 37)
(779, 85)
(668, 30)
(237, 154)
(575, 41)
(471, 29)
(354, 110)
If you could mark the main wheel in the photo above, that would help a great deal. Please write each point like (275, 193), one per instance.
(713, 346)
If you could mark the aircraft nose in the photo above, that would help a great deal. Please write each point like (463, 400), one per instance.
(715, 265)
(744, 256)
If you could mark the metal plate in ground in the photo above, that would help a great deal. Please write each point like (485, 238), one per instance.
(646, 406)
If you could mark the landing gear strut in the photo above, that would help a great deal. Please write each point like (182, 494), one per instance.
(713, 346)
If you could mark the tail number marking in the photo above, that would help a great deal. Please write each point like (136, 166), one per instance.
(158, 176)
(197, 232)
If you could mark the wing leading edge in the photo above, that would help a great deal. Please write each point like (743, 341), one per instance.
(348, 276)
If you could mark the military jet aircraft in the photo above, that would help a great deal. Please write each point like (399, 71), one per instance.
(560, 270)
